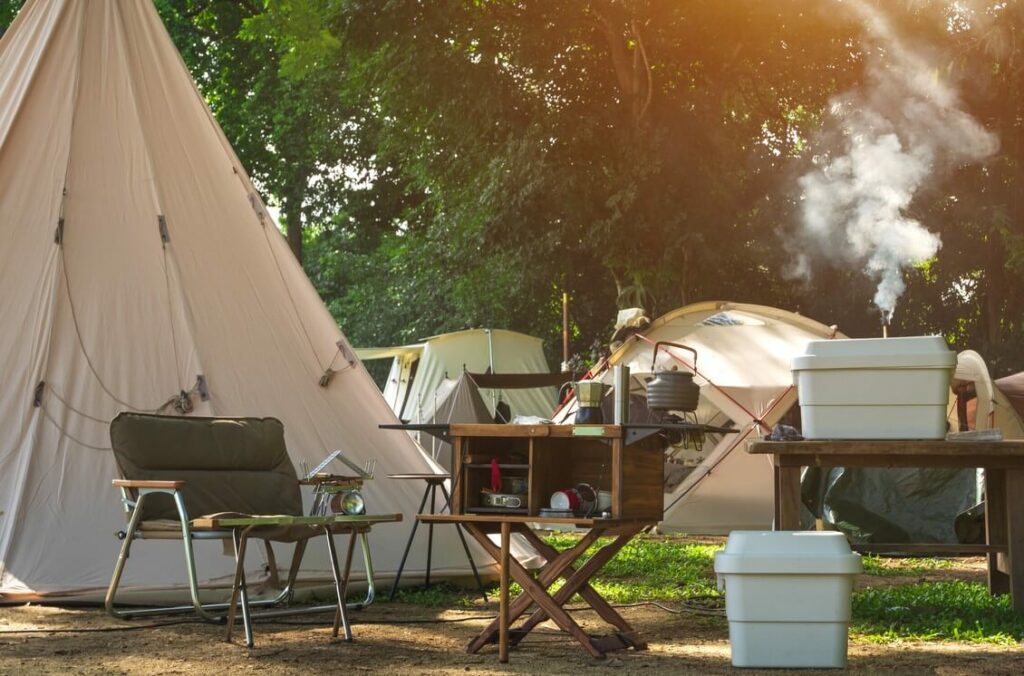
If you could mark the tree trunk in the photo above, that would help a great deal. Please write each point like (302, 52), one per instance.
(995, 290)
(292, 211)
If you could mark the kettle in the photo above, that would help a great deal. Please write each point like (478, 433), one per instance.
(672, 390)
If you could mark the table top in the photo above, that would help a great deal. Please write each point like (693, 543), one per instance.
(237, 521)
(903, 447)
(425, 476)
(582, 522)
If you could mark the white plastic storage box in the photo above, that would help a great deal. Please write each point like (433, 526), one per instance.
(787, 597)
(874, 388)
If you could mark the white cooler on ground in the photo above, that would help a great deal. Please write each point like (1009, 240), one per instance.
(787, 597)
(874, 388)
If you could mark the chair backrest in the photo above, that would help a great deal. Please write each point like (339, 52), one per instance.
(227, 464)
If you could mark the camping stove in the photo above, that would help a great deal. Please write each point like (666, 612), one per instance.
(684, 437)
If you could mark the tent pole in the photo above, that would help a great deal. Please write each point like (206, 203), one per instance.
(565, 331)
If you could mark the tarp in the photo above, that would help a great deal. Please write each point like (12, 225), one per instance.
(139, 263)
(458, 401)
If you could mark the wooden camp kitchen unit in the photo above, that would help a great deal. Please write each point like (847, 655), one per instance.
(543, 459)
(556, 457)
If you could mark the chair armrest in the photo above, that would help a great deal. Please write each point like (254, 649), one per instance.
(132, 483)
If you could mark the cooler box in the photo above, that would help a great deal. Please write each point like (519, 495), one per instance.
(874, 388)
(787, 597)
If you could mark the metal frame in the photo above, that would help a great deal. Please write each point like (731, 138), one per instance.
(217, 612)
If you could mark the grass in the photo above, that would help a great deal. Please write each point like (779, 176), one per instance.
(675, 571)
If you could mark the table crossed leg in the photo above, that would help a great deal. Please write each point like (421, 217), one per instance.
(550, 607)
(579, 582)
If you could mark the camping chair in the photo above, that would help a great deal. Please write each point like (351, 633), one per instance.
(236, 475)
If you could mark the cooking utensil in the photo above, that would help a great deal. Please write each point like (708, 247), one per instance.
(672, 390)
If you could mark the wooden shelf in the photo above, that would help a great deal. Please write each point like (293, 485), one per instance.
(558, 458)
(498, 510)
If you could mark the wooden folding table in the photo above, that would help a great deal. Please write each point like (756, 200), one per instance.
(535, 585)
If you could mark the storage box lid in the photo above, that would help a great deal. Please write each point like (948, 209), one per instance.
(787, 552)
(864, 353)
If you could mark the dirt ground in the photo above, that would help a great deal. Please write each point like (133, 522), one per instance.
(401, 639)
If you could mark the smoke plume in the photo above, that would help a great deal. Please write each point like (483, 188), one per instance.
(891, 136)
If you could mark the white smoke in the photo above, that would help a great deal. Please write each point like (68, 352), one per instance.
(896, 132)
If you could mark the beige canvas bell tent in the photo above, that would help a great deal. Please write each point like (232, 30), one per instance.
(744, 353)
(417, 371)
(140, 271)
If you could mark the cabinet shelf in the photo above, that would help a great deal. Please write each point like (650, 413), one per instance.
(497, 510)
(551, 458)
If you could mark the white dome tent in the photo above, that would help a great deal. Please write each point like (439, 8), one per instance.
(744, 354)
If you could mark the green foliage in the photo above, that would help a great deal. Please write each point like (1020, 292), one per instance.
(955, 611)
(889, 567)
(653, 568)
(460, 163)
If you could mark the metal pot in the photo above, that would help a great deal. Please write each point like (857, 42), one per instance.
(673, 390)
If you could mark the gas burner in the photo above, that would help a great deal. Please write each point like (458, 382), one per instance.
(685, 438)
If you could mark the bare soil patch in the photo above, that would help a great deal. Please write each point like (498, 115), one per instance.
(401, 639)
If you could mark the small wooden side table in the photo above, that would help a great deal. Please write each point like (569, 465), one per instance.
(434, 482)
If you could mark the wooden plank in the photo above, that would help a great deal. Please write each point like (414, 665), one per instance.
(618, 479)
(133, 483)
(459, 480)
(1015, 535)
(643, 478)
(578, 581)
(902, 447)
(897, 460)
(506, 531)
(502, 431)
(255, 520)
(947, 549)
(995, 528)
(539, 596)
(607, 524)
(546, 576)
(788, 517)
(522, 431)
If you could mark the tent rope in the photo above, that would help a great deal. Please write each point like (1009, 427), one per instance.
(81, 343)
(91, 365)
(65, 434)
(72, 408)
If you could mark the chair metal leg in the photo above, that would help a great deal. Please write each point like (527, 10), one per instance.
(408, 545)
(371, 590)
(430, 532)
(341, 614)
(465, 546)
(122, 558)
(240, 538)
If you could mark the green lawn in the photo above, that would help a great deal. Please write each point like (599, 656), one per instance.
(679, 573)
